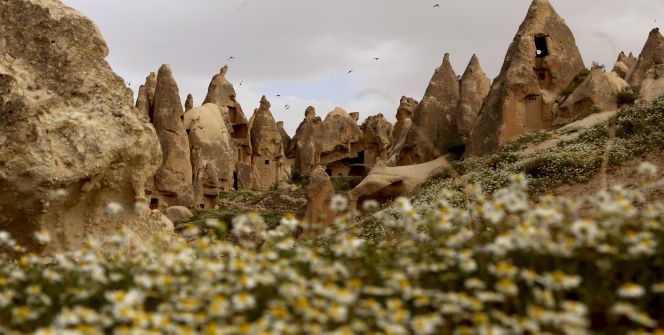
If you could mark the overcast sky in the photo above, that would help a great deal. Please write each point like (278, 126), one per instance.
(302, 49)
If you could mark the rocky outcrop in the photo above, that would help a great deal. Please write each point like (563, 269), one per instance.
(540, 63)
(189, 103)
(319, 195)
(173, 178)
(178, 214)
(74, 153)
(376, 141)
(623, 65)
(386, 183)
(340, 143)
(222, 94)
(307, 143)
(212, 152)
(402, 127)
(267, 158)
(285, 138)
(473, 89)
(434, 130)
(647, 77)
(145, 100)
(600, 89)
(309, 116)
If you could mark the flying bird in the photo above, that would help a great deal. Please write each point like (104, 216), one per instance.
(436, 5)
(241, 82)
(278, 95)
(349, 71)
(231, 58)
(287, 107)
(377, 58)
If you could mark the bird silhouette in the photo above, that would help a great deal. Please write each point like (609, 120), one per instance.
(437, 5)
(241, 82)
(377, 58)
(278, 95)
(349, 71)
(231, 58)
(287, 107)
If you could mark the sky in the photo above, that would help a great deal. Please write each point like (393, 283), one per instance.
(303, 50)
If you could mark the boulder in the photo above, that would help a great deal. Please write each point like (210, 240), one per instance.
(385, 183)
(433, 131)
(473, 89)
(319, 195)
(178, 214)
(402, 127)
(599, 89)
(647, 76)
(267, 158)
(376, 140)
(173, 178)
(540, 63)
(74, 152)
(212, 152)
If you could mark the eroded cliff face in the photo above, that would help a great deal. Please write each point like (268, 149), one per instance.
(540, 63)
(70, 141)
(647, 75)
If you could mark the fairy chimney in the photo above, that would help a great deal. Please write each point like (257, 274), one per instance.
(145, 100)
(212, 154)
(622, 66)
(222, 93)
(402, 127)
(285, 138)
(173, 178)
(376, 140)
(74, 154)
(540, 63)
(319, 196)
(267, 159)
(189, 103)
(433, 131)
(647, 77)
(473, 88)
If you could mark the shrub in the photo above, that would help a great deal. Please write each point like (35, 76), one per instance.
(627, 96)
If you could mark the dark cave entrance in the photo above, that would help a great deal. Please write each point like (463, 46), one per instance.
(542, 46)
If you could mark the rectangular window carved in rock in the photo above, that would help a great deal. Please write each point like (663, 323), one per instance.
(541, 46)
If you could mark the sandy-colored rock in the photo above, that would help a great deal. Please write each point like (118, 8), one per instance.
(600, 89)
(222, 93)
(189, 103)
(401, 129)
(268, 159)
(173, 178)
(376, 141)
(622, 66)
(145, 100)
(434, 130)
(647, 77)
(473, 88)
(319, 195)
(285, 138)
(178, 214)
(385, 183)
(212, 152)
(74, 153)
(309, 115)
(540, 63)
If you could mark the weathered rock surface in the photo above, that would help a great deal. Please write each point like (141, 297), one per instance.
(600, 89)
(473, 89)
(402, 127)
(623, 65)
(319, 195)
(189, 103)
(268, 159)
(71, 142)
(647, 77)
(212, 152)
(376, 141)
(145, 100)
(285, 138)
(174, 176)
(178, 214)
(385, 183)
(341, 139)
(540, 63)
(433, 131)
